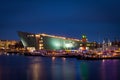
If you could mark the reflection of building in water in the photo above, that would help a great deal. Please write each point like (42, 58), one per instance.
(84, 71)
(56, 70)
(34, 71)
(68, 70)
(63, 70)
(107, 71)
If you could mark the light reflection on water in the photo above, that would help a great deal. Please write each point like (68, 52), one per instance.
(111, 70)
(46, 68)
(103, 72)
(34, 70)
(84, 71)
(62, 70)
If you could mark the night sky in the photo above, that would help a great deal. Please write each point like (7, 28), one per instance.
(97, 19)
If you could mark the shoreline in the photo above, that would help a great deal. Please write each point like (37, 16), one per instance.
(77, 56)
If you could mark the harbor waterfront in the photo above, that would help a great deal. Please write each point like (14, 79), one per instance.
(19, 67)
(58, 46)
(77, 55)
(59, 40)
(48, 57)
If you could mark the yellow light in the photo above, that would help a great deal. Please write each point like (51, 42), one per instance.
(37, 35)
(53, 58)
(63, 59)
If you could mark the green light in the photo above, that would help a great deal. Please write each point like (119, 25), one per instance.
(60, 44)
(68, 45)
(57, 44)
(24, 42)
(83, 36)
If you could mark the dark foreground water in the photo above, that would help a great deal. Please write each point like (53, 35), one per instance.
(46, 68)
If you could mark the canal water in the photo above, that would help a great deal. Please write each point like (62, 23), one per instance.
(51, 68)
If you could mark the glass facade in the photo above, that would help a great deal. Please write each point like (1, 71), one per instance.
(51, 43)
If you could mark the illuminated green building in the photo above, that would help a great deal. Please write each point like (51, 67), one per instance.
(48, 42)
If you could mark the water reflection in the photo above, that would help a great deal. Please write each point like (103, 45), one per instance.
(62, 69)
(55, 70)
(109, 70)
(68, 70)
(46, 68)
(84, 71)
(53, 59)
(35, 70)
(103, 72)
(0, 73)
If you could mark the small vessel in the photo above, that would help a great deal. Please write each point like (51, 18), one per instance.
(34, 54)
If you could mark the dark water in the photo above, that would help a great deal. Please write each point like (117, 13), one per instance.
(46, 68)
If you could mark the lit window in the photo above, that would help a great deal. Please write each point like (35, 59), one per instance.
(42, 48)
(37, 35)
(41, 37)
(88, 44)
(41, 41)
(80, 44)
(40, 44)
(91, 44)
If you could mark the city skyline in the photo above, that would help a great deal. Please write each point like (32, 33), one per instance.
(97, 20)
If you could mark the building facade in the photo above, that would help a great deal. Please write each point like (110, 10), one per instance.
(7, 44)
(33, 41)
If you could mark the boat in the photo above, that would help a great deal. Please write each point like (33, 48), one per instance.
(97, 57)
(34, 54)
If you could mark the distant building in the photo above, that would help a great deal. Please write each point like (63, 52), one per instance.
(7, 44)
(33, 41)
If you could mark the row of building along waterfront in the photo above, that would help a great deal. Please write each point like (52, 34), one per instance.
(31, 42)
